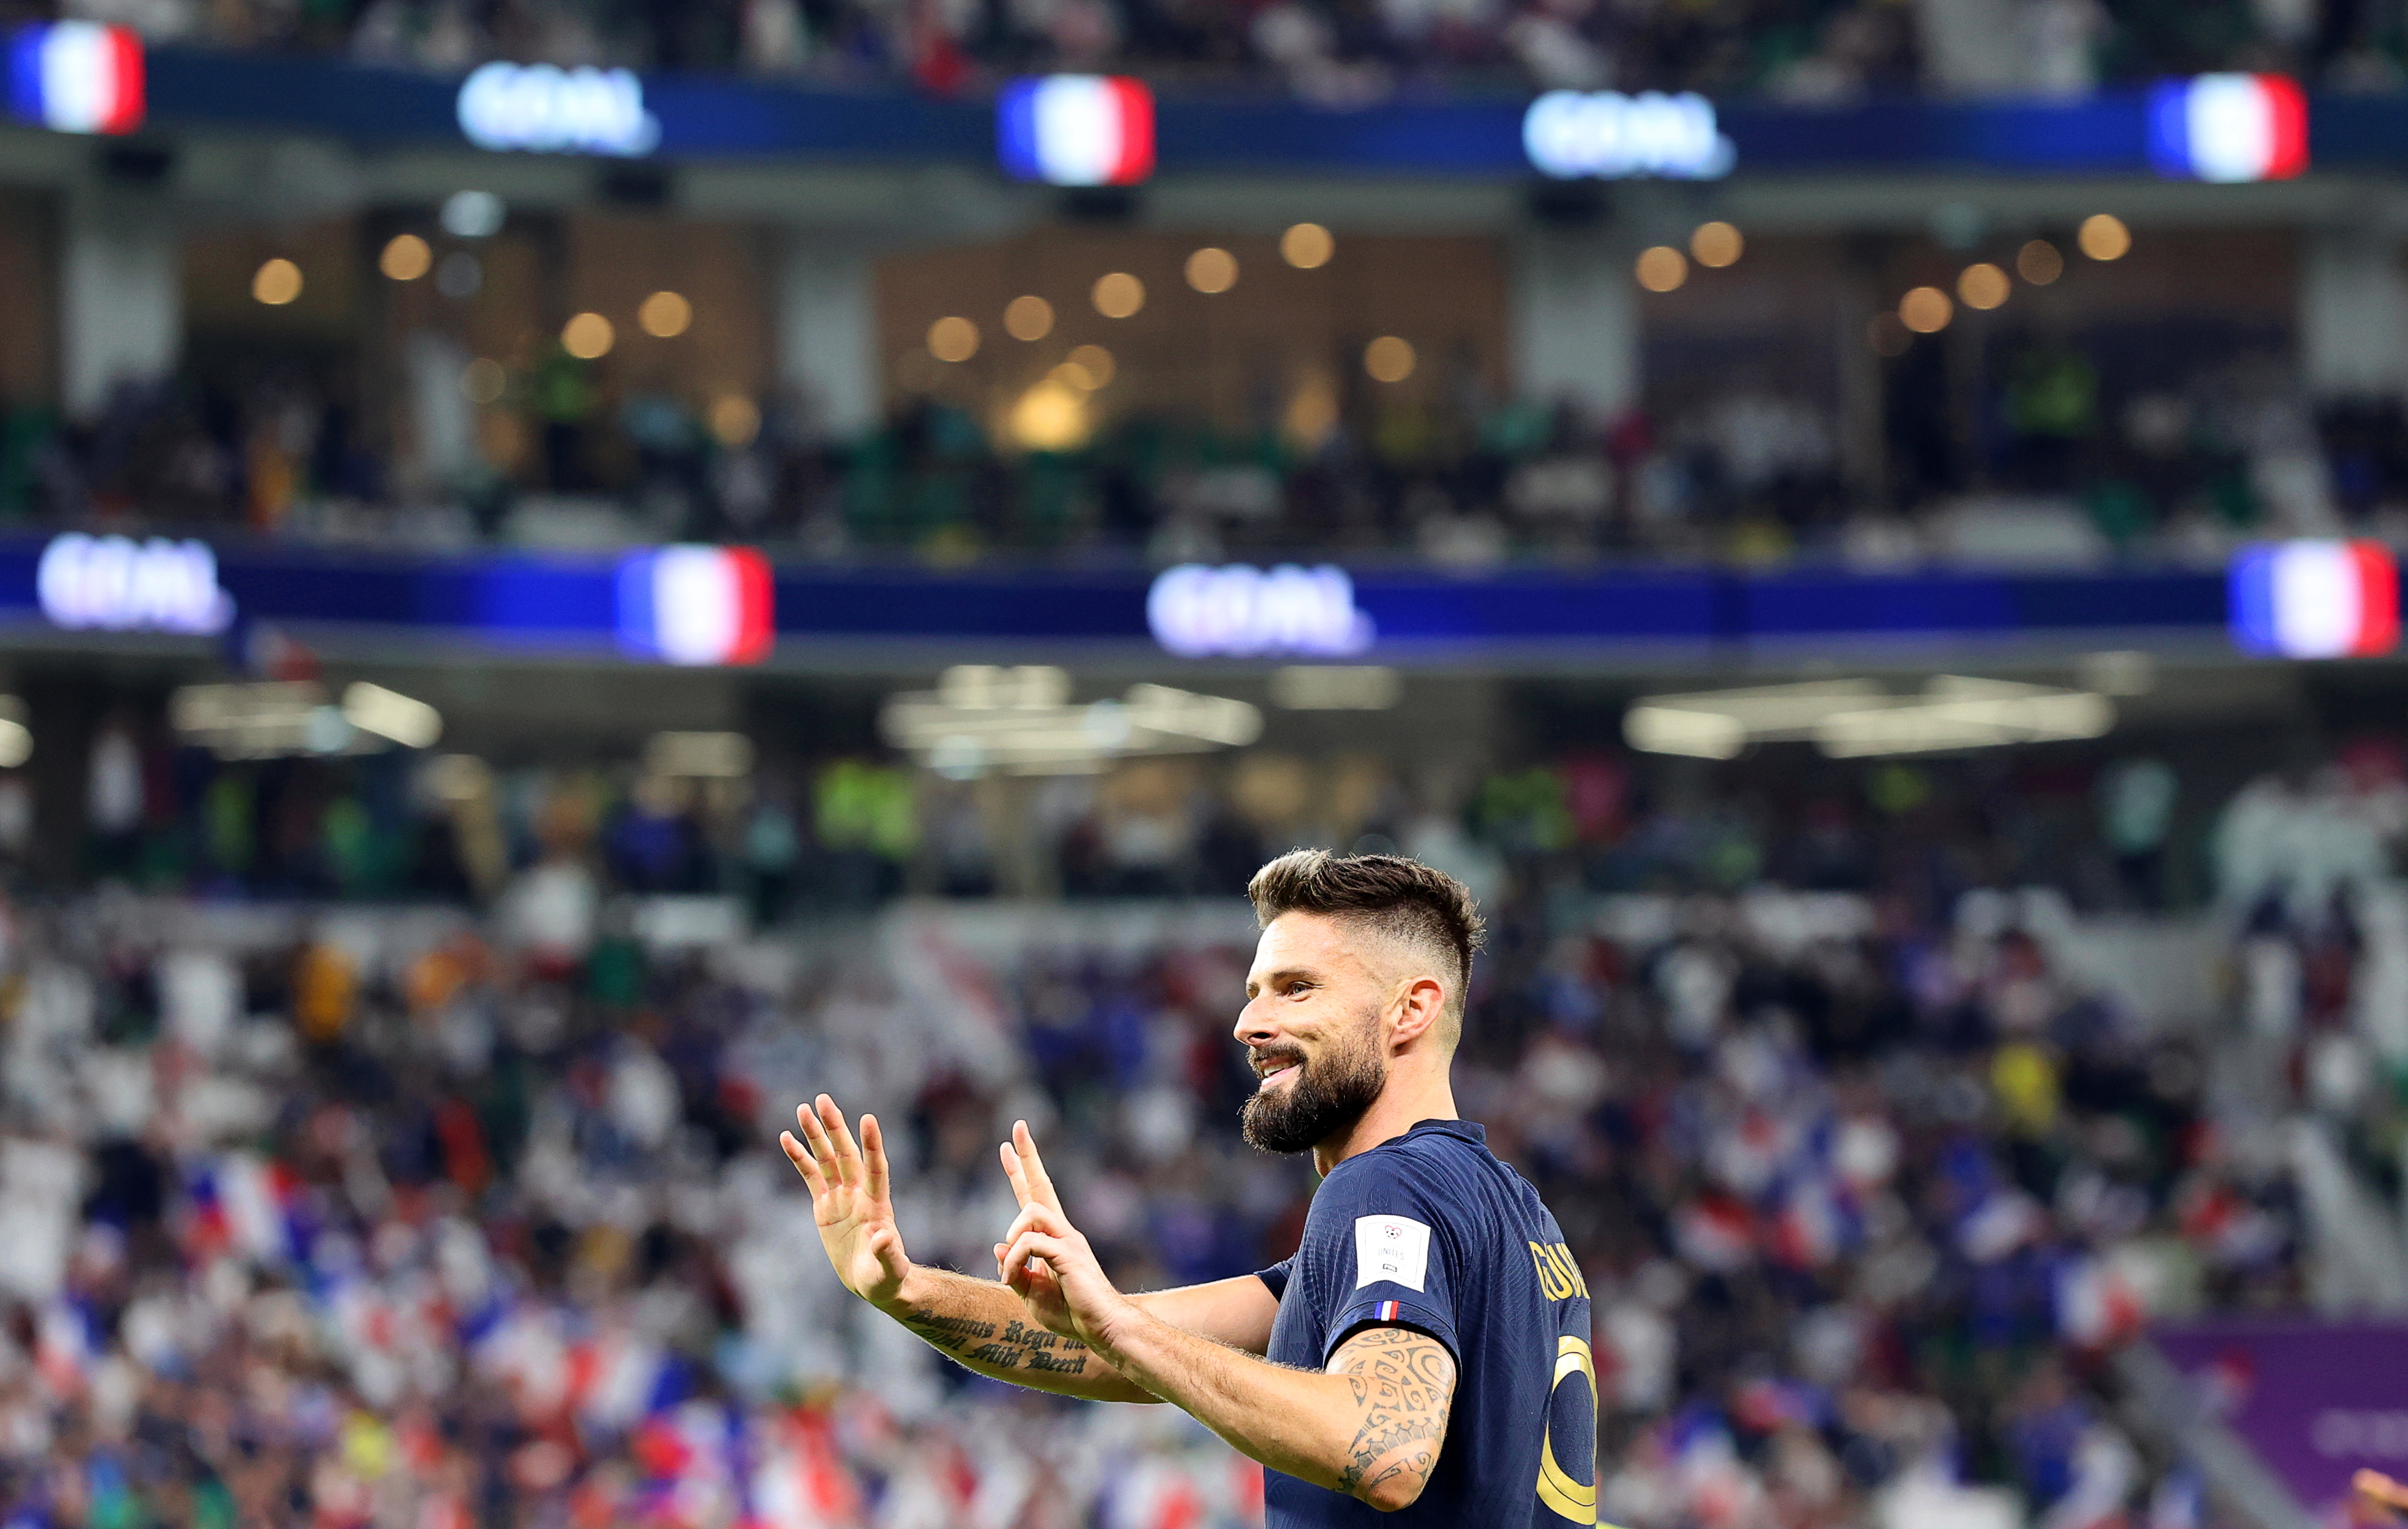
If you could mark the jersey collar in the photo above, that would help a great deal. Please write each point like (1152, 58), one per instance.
(1470, 1131)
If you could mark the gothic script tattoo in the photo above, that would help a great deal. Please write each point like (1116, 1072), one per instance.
(1403, 1386)
(1020, 1347)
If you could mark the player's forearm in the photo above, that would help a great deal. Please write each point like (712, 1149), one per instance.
(1283, 1417)
(1372, 1430)
(982, 1326)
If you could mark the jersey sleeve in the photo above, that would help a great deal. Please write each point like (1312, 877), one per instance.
(1396, 1264)
(1276, 1278)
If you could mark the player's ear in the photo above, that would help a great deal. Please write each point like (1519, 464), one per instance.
(1421, 1006)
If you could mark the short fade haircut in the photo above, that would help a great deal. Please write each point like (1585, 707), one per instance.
(1395, 896)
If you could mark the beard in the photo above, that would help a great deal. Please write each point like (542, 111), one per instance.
(1328, 1093)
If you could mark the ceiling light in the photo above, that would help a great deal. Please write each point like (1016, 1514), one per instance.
(1096, 363)
(16, 737)
(711, 756)
(406, 258)
(1051, 416)
(1335, 687)
(664, 315)
(1661, 268)
(1983, 286)
(266, 720)
(2038, 262)
(1022, 722)
(2103, 236)
(1956, 712)
(953, 339)
(389, 714)
(1389, 359)
(1307, 246)
(1926, 311)
(983, 686)
(1028, 317)
(588, 336)
(1854, 718)
(735, 421)
(1119, 294)
(1716, 244)
(275, 283)
(1211, 270)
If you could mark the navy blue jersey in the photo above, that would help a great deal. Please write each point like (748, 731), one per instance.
(1430, 1231)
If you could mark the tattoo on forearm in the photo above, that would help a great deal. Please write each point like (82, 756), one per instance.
(1021, 1347)
(1066, 1364)
(948, 1333)
(1403, 1385)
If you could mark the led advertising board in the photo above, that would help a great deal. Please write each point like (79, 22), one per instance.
(2316, 599)
(77, 77)
(1573, 134)
(1076, 130)
(2229, 127)
(546, 109)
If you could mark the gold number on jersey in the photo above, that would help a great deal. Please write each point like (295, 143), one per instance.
(1571, 1499)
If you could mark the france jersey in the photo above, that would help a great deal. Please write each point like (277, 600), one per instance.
(1430, 1231)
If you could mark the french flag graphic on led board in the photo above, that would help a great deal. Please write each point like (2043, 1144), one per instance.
(2316, 599)
(76, 77)
(1076, 130)
(2228, 128)
(695, 605)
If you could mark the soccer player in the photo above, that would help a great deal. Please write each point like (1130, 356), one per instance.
(1426, 1352)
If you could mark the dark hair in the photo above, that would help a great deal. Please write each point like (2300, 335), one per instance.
(1389, 893)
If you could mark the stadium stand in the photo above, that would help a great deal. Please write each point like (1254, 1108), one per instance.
(414, 1213)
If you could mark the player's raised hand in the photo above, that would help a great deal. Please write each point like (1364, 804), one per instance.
(1049, 1264)
(1032, 1185)
(849, 1199)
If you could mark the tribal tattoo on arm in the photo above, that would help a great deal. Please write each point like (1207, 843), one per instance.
(1403, 1388)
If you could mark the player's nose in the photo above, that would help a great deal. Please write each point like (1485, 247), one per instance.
(1252, 1028)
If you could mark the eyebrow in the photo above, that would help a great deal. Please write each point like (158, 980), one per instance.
(1271, 977)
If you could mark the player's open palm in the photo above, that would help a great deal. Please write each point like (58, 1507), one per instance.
(849, 1199)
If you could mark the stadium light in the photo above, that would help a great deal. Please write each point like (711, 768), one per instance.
(699, 756)
(271, 719)
(389, 714)
(15, 735)
(1850, 719)
(983, 719)
(1336, 687)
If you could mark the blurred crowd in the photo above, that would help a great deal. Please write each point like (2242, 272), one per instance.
(1872, 1147)
(2066, 467)
(1811, 51)
(852, 830)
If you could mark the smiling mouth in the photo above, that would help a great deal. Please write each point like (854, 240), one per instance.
(1275, 1076)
